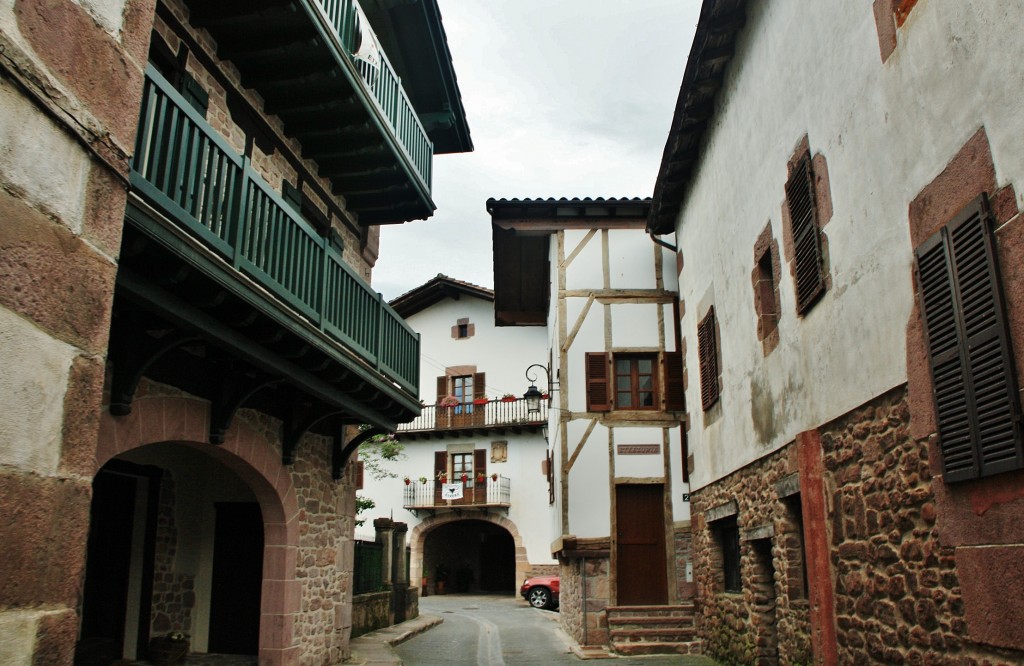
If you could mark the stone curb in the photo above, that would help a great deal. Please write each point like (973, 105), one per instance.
(375, 648)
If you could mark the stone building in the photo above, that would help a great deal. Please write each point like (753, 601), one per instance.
(844, 185)
(586, 273)
(190, 193)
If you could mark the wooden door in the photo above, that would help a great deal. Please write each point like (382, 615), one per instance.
(640, 567)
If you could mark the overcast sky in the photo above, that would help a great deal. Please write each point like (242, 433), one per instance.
(564, 98)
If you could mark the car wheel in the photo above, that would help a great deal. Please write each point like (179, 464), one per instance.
(539, 597)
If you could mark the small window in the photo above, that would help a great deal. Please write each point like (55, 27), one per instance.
(765, 296)
(969, 351)
(636, 384)
(463, 329)
(707, 351)
(725, 535)
(809, 273)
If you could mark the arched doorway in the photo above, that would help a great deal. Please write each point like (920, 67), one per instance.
(467, 555)
(175, 545)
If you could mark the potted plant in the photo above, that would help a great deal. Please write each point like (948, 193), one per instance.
(442, 476)
(440, 578)
(481, 477)
(170, 648)
(449, 401)
(494, 477)
(464, 477)
(423, 480)
(407, 480)
(480, 401)
(509, 397)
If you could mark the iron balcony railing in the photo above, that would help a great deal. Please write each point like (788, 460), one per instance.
(427, 494)
(479, 414)
(348, 23)
(183, 166)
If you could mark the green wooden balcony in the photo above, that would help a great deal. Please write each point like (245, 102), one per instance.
(200, 185)
(319, 67)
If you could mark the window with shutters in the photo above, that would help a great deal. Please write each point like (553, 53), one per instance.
(707, 352)
(972, 365)
(634, 381)
(462, 389)
(808, 265)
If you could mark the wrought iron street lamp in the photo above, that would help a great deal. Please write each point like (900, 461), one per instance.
(533, 394)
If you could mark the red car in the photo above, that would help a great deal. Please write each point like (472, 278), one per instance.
(541, 591)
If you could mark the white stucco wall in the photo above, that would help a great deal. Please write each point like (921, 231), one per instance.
(503, 353)
(626, 324)
(885, 130)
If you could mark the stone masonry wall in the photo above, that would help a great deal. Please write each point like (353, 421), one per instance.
(174, 595)
(682, 542)
(732, 626)
(587, 624)
(898, 596)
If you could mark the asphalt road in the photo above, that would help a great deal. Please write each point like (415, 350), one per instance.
(492, 630)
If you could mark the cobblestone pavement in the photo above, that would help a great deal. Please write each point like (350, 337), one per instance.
(491, 630)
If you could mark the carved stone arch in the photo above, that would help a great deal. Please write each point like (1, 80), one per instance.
(256, 459)
(418, 536)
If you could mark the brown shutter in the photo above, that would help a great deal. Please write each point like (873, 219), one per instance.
(972, 365)
(707, 351)
(442, 388)
(360, 472)
(675, 400)
(479, 385)
(440, 462)
(598, 391)
(803, 216)
(480, 461)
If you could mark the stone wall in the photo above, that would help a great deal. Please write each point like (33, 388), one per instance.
(682, 548)
(585, 578)
(898, 593)
(372, 611)
(738, 628)
(174, 595)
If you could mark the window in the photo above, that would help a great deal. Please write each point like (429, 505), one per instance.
(462, 389)
(463, 329)
(707, 352)
(766, 289)
(462, 463)
(803, 218)
(725, 535)
(637, 379)
(972, 364)
(635, 382)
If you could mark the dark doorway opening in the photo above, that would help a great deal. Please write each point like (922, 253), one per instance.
(470, 556)
(237, 578)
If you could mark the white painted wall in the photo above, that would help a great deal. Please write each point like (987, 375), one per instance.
(886, 130)
(503, 353)
(634, 325)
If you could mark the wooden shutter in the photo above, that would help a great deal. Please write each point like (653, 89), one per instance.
(803, 217)
(479, 385)
(194, 94)
(440, 462)
(707, 351)
(442, 388)
(360, 473)
(599, 397)
(675, 400)
(480, 461)
(972, 364)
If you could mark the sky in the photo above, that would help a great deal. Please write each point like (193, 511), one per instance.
(564, 98)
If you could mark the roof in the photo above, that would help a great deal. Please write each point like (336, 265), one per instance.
(552, 209)
(436, 290)
(713, 47)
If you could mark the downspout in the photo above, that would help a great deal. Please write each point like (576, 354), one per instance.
(664, 244)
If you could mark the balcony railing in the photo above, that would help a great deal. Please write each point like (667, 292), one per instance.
(349, 24)
(481, 414)
(184, 167)
(427, 495)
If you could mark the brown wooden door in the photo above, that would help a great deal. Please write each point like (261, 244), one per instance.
(640, 545)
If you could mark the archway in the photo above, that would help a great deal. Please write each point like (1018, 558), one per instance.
(236, 498)
(483, 553)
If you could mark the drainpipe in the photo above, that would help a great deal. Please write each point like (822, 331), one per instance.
(583, 581)
(662, 243)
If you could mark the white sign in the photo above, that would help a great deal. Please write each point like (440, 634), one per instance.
(451, 491)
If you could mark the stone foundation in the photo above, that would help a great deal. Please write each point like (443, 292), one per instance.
(585, 578)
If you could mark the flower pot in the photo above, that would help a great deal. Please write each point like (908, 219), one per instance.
(509, 399)
(163, 652)
(407, 481)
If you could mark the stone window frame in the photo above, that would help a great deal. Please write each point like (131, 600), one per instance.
(723, 523)
(890, 15)
(765, 280)
(822, 215)
(463, 330)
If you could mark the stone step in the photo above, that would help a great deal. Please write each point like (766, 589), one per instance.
(667, 634)
(632, 649)
(645, 621)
